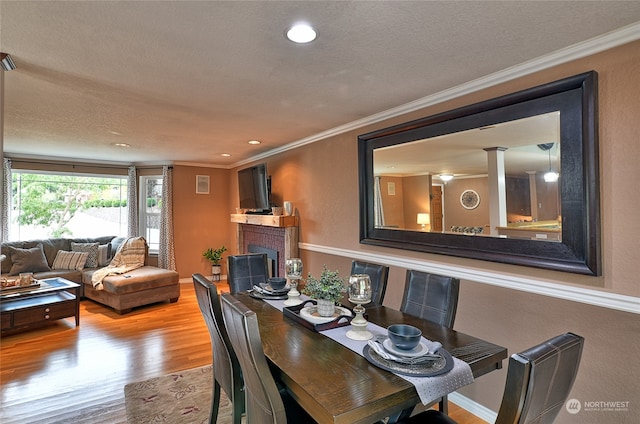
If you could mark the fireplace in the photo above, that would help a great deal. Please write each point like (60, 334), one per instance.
(272, 258)
(275, 235)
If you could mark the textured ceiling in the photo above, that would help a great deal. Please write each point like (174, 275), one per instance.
(185, 81)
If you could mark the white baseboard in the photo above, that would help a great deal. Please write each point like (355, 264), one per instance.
(473, 407)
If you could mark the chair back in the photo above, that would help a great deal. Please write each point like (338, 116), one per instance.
(379, 275)
(247, 270)
(226, 368)
(431, 297)
(539, 381)
(264, 404)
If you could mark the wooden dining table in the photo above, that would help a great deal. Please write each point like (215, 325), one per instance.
(336, 385)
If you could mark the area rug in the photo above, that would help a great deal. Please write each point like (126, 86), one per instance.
(181, 397)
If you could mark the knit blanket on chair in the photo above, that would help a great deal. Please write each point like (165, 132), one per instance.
(130, 256)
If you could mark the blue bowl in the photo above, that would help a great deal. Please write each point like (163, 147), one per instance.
(277, 283)
(403, 336)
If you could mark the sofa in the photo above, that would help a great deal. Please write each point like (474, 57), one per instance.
(141, 286)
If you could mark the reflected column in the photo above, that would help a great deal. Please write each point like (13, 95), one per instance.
(497, 189)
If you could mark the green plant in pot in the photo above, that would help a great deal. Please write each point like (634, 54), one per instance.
(215, 256)
(326, 290)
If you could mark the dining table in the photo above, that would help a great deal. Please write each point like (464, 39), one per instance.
(338, 385)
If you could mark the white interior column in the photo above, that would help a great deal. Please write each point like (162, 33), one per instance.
(533, 195)
(497, 189)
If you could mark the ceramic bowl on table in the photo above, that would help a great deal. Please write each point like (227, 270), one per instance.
(277, 283)
(404, 336)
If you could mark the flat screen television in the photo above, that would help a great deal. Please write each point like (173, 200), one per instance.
(254, 189)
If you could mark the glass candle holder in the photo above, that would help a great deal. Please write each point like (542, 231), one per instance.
(360, 292)
(293, 270)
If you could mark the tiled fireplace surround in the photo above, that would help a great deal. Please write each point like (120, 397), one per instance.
(267, 237)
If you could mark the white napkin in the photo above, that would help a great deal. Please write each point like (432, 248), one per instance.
(382, 352)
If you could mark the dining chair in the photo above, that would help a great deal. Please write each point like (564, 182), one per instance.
(431, 297)
(538, 384)
(434, 298)
(265, 402)
(226, 368)
(247, 270)
(379, 275)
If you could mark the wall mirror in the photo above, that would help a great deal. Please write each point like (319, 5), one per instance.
(512, 179)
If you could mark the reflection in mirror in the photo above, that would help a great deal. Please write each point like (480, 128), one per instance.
(421, 184)
(512, 179)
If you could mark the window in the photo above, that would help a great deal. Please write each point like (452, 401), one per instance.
(149, 213)
(49, 204)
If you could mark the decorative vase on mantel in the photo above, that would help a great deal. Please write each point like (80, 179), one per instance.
(326, 308)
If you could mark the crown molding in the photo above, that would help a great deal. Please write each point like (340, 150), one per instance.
(595, 45)
(542, 287)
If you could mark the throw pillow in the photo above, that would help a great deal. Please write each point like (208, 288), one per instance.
(91, 249)
(70, 260)
(28, 260)
(103, 255)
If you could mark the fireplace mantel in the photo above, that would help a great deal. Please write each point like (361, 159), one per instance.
(267, 220)
(279, 233)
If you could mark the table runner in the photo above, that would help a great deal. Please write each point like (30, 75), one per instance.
(429, 389)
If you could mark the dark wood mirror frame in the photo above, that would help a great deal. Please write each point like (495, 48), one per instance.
(579, 251)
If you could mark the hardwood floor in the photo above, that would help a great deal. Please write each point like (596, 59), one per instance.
(48, 373)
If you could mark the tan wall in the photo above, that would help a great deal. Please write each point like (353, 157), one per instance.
(416, 200)
(393, 201)
(200, 220)
(322, 182)
(455, 214)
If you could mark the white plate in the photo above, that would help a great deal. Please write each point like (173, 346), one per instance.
(310, 313)
(419, 350)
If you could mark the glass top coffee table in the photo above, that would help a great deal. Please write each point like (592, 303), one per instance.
(28, 307)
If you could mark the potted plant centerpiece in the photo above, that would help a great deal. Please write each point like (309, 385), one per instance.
(214, 256)
(326, 291)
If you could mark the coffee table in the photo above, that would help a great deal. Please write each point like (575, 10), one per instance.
(55, 298)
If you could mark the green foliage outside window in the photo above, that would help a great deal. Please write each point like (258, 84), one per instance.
(51, 201)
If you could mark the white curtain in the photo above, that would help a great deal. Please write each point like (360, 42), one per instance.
(377, 205)
(166, 253)
(6, 200)
(133, 229)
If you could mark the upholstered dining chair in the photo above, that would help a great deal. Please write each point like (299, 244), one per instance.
(431, 297)
(226, 368)
(434, 298)
(379, 275)
(246, 270)
(265, 402)
(539, 381)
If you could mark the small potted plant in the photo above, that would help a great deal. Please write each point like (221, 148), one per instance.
(326, 291)
(214, 256)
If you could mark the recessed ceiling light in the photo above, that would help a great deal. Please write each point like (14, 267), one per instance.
(226, 155)
(121, 144)
(254, 142)
(115, 133)
(301, 33)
